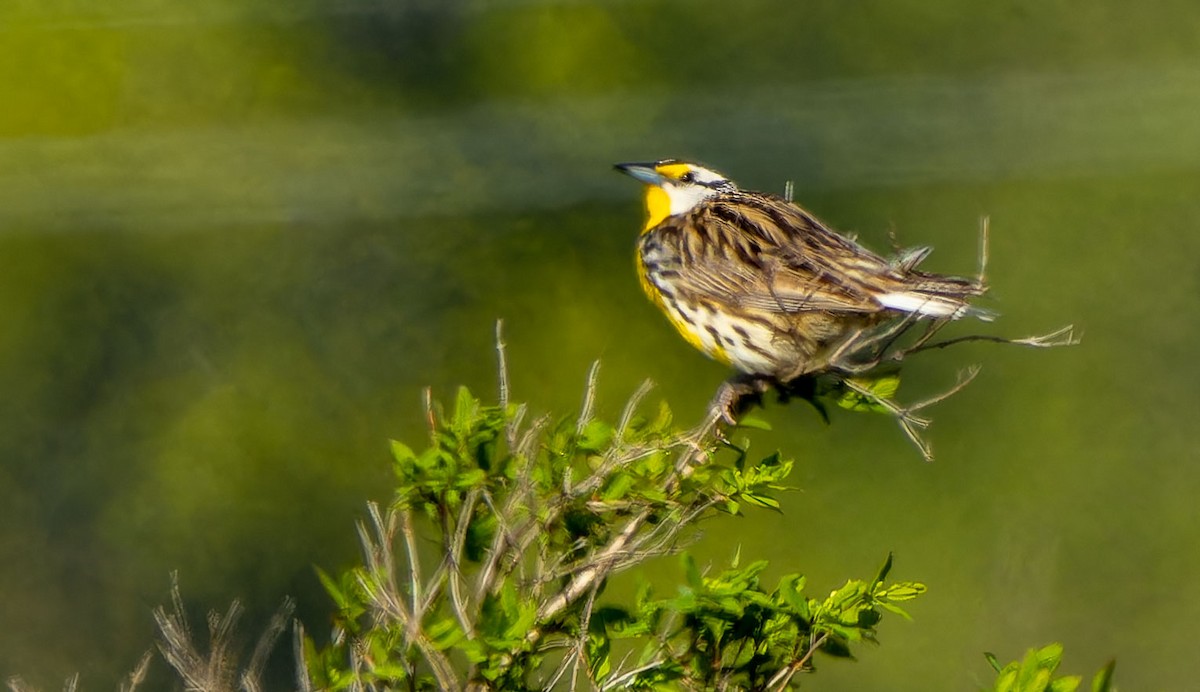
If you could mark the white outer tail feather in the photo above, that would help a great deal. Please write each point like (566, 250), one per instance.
(925, 305)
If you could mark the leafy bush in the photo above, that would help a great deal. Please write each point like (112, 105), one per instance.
(533, 518)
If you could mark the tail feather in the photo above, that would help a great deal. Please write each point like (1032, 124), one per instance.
(933, 305)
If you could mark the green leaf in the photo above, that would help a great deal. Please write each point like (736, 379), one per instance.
(465, 410)
(470, 479)
(993, 661)
(618, 487)
(1102, 682)
(1067, 684)
(902, 591)
(1007, 681)
(761, 500)
(332, 588)
(893, 608)
(877, 390)
(1038, 667)
(1050, 656)
(402, 453)
(791, 589)
(445, 633)
(662, 421)
(692, 572)
(596, 436)
(523, 622)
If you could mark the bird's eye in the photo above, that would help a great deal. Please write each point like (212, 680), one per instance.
(688, 177)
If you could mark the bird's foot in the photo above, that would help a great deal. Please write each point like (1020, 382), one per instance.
(737, 395)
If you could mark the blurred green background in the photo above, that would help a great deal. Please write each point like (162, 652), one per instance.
(237, 238)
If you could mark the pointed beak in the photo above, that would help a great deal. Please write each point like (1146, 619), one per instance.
(643, 172)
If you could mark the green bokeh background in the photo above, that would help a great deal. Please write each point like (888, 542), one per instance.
(237, 238)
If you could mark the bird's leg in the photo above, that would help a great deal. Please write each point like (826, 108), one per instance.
(736, 395)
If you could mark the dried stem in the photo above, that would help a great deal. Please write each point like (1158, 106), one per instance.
(454, 557)
(501, 365)
(589, 398)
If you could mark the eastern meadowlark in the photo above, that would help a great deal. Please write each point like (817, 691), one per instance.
(760, 284)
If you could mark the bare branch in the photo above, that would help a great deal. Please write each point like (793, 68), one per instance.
(630, 409)
(589, 398)
(984, 238)
(906, 416)
(580, 653)
(138, 675)
(501, 365)
(599, 566)
(214, 670)
(410, 549)
(300, 659)
(388, 603)
(251, 678)
(454, 556)
(430, 417)
(784, 676)
(1064, 336)
(622, 681)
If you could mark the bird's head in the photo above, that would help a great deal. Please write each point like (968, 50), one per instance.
(674, 186)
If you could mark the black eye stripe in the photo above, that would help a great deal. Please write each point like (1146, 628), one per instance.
(692, 178)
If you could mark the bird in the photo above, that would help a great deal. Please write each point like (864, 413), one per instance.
(760, 284)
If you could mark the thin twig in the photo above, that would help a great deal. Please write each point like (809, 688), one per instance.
(622, 681)
(784, 676)
(302, 678)
(251, 678)
(430, 417)
(454, 555)
(965, 377)
(501, 365)
(601, 563)
(630, 409)
(388, 604)
(589, 398)
(138, 675)
(414, 557)
(1063, 336)
(585, 622)
(984, 238)
(385, 557)
(525, 453)
(385, 600)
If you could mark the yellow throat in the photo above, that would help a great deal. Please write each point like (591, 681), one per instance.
(658, 206)
(658, 202)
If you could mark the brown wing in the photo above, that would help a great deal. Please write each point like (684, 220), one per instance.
(767, 254)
